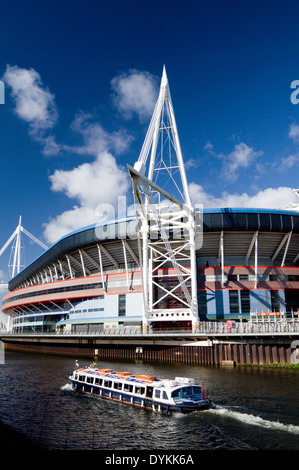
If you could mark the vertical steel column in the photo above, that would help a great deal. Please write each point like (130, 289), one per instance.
(82, 263)
(101, 267)
(145, 234)
(256, 261)
(222, 257)
(193, 268)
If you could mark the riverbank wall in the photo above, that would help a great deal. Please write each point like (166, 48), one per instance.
(172, 349)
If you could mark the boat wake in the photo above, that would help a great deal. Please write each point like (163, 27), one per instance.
(67, 387)
(255, 420)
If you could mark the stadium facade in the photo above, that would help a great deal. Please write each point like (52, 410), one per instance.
(248, 264)
(169, 267)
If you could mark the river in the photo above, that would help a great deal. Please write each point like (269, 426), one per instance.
(256, 408)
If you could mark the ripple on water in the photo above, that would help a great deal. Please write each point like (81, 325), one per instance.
(35, 398)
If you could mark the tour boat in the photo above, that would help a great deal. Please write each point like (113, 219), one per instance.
(181, 395)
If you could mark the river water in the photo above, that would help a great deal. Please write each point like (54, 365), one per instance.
(256, 408)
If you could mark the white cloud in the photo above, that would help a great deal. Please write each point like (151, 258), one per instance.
(289, 162)
(191, 163)
(294, 132)
(135, 92)
(91, 184)
(33, 103)
(208, 146)
(286, 163)
(269, 198)
(67, 222)
(101, 181)
(95, 138)
(241, 157)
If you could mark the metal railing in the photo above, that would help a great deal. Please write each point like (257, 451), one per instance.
(205, 329)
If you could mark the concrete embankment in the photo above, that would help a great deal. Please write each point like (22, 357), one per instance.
(171, 348)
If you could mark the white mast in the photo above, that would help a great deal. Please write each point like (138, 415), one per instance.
(293, 205)
(163, 124)
(164, 249)
(16, 237)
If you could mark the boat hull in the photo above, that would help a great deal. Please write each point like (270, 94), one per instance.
(145, 403)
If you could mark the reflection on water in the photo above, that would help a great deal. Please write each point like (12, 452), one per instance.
(256, 408)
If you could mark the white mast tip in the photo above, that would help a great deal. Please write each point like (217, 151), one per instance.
(164, 80)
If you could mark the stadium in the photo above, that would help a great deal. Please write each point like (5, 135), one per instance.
(248, 264)
(167, 267)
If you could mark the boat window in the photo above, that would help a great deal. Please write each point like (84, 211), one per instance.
(158, 393)
(82, 378)
(118, 385)
(128, 388)
(149, 392)
(107, 383)
(165, 395)
(98, 381)
(140, 390)
(89, 380)
(187, 392)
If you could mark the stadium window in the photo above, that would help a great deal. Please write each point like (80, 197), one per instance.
(245, 301)
(234, 301)
(275, 302)
(202, 302)
(122, 305)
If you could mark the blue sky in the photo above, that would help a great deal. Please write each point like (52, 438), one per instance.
(81, 79)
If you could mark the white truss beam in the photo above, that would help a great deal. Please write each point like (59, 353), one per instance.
(109, 256)
(126, 264)
(256, 260)
(87, 256)
(131, 252)
(69, 266)
(278, 249)
(286, 248)
(82, 263)
(221, 256)
(101, 267)
(250, 247)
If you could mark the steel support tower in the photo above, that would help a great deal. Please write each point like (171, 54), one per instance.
(169, 225)
(16, 238)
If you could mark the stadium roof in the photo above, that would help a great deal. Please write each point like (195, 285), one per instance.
(214, 220)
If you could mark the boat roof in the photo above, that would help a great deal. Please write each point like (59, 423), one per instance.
(140, 379)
